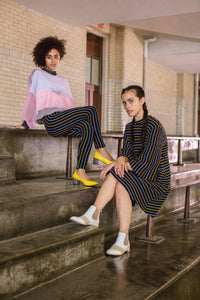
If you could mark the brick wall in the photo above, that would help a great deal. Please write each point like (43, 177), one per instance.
(185, 104)
(168, 93)
(125, 68)
(188, 95)
(21, 29)
(115, 68)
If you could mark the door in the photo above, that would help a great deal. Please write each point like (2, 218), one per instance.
(94, 72)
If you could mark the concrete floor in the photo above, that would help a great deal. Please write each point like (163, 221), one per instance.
(149, 271)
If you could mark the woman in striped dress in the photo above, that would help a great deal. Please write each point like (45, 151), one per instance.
(140, 175)
(50, 102)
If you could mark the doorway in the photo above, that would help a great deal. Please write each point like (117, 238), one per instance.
(93, 90)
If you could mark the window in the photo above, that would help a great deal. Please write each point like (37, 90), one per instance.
(93, 71)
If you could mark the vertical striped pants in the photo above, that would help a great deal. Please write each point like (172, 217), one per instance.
(77, 122)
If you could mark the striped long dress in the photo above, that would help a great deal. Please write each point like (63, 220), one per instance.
(148, 184)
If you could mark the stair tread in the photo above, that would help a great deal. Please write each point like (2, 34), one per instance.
(29, 189)
(43, 239)
(143, 273)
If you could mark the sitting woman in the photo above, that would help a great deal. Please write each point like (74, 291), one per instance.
(140, 175)
(50, 102)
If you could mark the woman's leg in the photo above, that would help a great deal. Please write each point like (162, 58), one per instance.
(89, 114)
(106, 193)
(85, 130)
(124, 208)
(78, 122)
(61, 123)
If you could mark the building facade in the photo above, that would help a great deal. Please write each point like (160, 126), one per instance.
(94, 78)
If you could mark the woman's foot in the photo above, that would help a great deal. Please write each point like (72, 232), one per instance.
(102, 155)
(90, 217)
(81, 173)
(80, 176)
(121, 246)
(105, 154)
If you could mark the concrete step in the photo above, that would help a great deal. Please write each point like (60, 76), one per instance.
(7, 169)
(32, 205)
(164, 271)
(34, 258)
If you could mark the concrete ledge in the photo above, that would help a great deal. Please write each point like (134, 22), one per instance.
(34, 151)
(37, 154)
(7, 169)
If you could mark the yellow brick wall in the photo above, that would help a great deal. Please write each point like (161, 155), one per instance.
(21, 29)
(133, 63)
(133, 58)
(188, 94)
(185, 104)
(162, 90)
(125, 68)
(115, 75)
(168, 93)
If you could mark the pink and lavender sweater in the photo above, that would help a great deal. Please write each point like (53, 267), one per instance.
(47, 93)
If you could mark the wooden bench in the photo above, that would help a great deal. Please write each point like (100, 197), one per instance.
(181, 176)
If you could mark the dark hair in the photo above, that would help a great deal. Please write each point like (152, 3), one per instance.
(139, 90)
(44, 46)
(140, 94)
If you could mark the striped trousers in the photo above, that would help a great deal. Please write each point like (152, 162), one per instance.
(77, 122)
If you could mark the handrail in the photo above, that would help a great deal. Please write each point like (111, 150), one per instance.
(119, 136)
(195, 138)
(180, 140)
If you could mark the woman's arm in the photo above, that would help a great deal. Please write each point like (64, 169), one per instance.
(148, 161)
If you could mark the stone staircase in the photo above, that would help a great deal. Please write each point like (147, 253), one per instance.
(7, 169)
(37, 241)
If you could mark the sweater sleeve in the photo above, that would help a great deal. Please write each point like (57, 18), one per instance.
(29, 114)
(148, 161)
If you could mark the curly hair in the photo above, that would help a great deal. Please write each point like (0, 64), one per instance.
(44, 46)
(140, 94)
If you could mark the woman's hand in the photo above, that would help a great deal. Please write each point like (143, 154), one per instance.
(122, 165)
(18, 127)
(106, 170)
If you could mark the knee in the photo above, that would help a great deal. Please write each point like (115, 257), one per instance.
(119, 189)
(87, 128)
(92, 110)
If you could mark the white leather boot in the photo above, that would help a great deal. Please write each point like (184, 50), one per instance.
(90, 217)
(121, 245)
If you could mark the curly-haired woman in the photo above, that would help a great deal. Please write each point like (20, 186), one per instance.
(140, 175)
(50, 102)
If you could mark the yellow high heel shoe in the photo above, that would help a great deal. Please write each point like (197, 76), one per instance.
(77, 179)
(98, 157)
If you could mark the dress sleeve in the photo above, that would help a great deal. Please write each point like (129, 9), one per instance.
(148, 161)
(126, 149)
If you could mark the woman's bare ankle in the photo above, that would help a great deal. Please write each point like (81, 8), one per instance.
(82, 174)
(105, 153)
